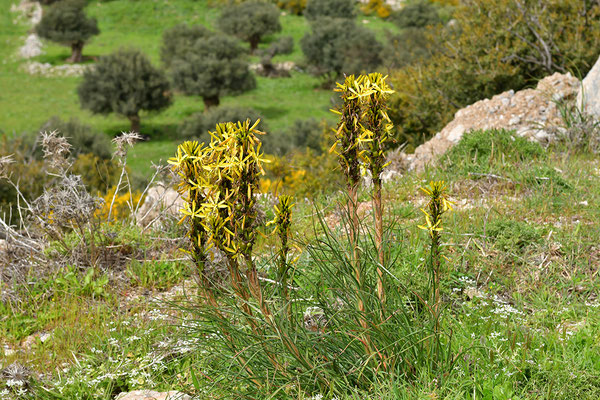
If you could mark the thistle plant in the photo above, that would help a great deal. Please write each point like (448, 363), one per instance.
(437, 206)
(122, 143)
(376, 127)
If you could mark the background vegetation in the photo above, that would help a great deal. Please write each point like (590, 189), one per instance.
(93, 302)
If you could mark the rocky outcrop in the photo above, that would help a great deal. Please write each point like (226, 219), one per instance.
(527, 112)
(152, 395)
(589, 95)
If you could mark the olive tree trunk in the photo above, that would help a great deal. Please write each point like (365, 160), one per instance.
(254, 41)
(211, 101)
(135, 122)
(76, 52)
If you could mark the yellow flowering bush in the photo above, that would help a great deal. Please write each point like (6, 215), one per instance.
(122, 206)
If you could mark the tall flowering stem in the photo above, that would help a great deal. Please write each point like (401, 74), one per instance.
(188, 164)
(437, 206)
(376, 126)
(218, 183)
(283, 224)
(349, 136)
(229, 214)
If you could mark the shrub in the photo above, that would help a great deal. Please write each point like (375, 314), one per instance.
(83, 139)
(302, 173)
(295, 7)
(250, 21)
(336, 46)
(497, 45)
(29, 172)
(97, 174)
(330, 8)
(122, 207)
(124, 83)
(178, 40)
(283, 45)
(380, 7)
(198, 125)
(65, 22)
(211, 68)
(308, 133)
(410, 46)
(417, 14)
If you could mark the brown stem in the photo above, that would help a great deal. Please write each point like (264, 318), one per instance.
(353, 208)
(377, 204)
(254, 285)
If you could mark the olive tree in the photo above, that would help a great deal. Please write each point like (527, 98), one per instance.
(124, 83)
(250, 21)
(212, 67)
(178, 40)
(330, 8)
(65, 22)
(336, 46)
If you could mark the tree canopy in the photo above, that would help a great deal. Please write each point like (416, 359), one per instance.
(124, 83)
(212, 67)
(65, 22)
(250, 21)
(330, 8)
(178, 40)
(339, 46)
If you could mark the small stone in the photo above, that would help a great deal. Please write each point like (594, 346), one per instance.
(514, 120)
(472, 292)
(152, 395)
(44, 336)
(542, 136)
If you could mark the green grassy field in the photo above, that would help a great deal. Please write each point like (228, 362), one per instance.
(28, 101)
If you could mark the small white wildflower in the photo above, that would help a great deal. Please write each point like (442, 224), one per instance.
(14, 382)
